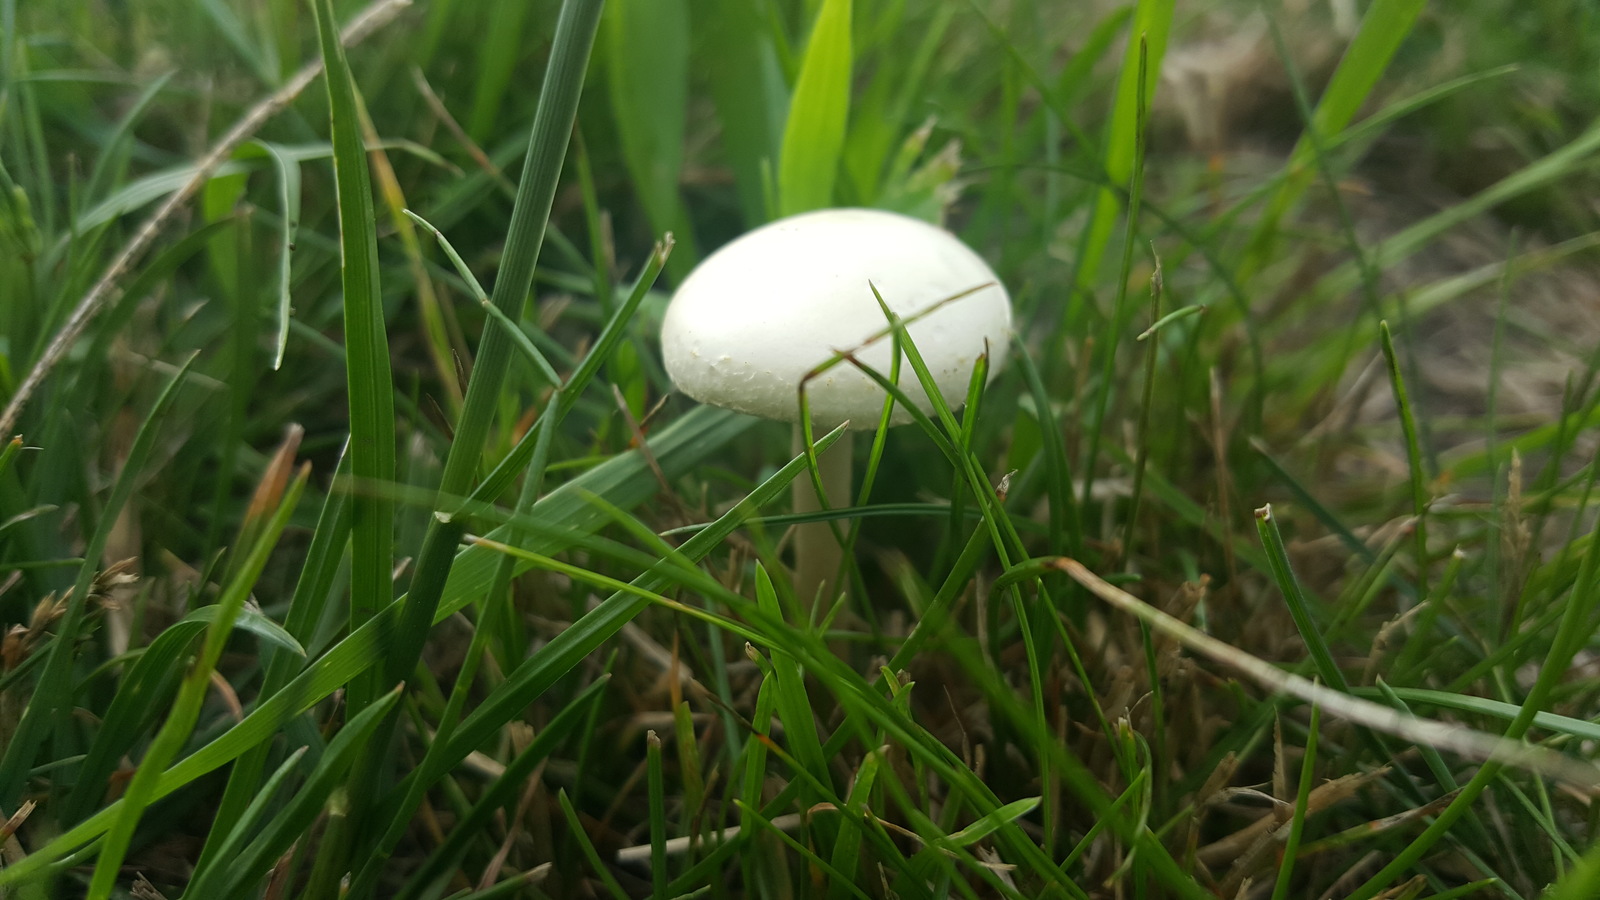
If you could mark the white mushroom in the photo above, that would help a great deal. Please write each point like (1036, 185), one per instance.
(755, 317)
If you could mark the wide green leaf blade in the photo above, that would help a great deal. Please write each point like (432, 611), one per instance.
(813, 137)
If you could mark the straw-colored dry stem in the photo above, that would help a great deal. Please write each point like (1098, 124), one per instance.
(1579, 774)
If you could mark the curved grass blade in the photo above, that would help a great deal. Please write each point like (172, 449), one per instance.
(9, 454)
(587, 846)
(504, 321)
(288, 227)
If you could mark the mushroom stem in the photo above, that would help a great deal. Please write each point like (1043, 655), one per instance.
(817, 553)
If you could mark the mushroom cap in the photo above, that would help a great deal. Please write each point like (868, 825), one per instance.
(753, 318)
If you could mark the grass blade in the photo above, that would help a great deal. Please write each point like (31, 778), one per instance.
(847, 849)
(658, 818)
(587, 846)
(1297, 823)
(1419, 486)
(372, 429)
(1136, 84)
(288, 227)
(1295, 598)
(547, 146)
(793, 706)
(813, 137)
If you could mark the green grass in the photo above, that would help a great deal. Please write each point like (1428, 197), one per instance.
(354, 542)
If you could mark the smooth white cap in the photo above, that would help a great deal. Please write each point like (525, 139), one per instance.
(752, 319)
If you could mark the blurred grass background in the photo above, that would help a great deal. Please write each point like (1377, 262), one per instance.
(616, 698)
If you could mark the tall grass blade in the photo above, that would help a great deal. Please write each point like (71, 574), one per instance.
(547, 147)
(793, 706)
(1302, 804)
(1136, 84)
(846, 856)
(371, 387)
(813, 136)
(658, 817)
